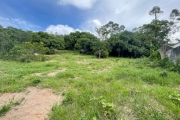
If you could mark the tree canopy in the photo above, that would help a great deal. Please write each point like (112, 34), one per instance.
(112, 39)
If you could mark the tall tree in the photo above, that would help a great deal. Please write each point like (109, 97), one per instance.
(156, 11)
(109, 29)
(175, 15)
(174, 19)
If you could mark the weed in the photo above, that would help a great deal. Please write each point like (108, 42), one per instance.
(4, 109)
(69, 99)
(163, 74)
(7, 107)
(108, 110)
(175, 97)
(35, 82)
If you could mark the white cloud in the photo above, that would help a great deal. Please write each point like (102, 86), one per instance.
(60, 29)
(96, 22)
(2, 18)
(18, 23)
(90, 25)
(130, 13)
(81, 4)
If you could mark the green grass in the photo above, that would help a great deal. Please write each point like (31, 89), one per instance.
(135, 90)
(7, 107)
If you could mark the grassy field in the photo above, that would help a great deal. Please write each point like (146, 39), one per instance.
(99, 89)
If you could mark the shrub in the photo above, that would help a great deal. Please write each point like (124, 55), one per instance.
(155, 56)
(50, 51)
(165, 63)
(101, 53)
(27, 52)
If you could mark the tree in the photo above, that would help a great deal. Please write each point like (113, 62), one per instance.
(71, 39)
(27, 52)
(9, 37)
(109, 29)
(127, 44)
(87, 42)
(175, 15)
(156, 11)
(174, 19)
(50, 41)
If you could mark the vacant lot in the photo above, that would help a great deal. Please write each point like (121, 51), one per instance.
(93, 89)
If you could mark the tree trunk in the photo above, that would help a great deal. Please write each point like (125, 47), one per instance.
(99, 52)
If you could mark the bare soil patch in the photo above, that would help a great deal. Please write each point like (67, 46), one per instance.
(54, 73)
(129, 115)
(50, 61)
(82, 62)
(100, 71)
(36, 105)
(37, 74)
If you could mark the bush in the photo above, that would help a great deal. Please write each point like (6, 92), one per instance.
(165, 63)
(51, 51)
(155, 56)
(27, 52)
(176, 67)
(101, 54)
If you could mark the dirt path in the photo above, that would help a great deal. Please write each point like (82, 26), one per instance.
(36, 105)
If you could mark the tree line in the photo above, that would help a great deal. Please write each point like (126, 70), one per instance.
(113, 39)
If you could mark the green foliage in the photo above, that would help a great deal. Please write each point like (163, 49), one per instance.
(166, 63)
(175, 97)
(9, 37)
(27, 52)
(71, 39)
(176, 67)
(49, 41)
(155, 56)
(107, 109)
(82, 41)
(7, 107)
(108, 30)
(35, 82)
(51, 51)
(163, 74)
(101, 53)
(156, 10)
(69, 99)
(127, 44)
(4, 109)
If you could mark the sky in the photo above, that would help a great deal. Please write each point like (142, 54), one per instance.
(65, 16)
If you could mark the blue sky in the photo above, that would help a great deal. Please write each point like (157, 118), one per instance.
(65, 16)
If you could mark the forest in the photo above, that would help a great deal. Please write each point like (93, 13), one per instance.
(112, 40)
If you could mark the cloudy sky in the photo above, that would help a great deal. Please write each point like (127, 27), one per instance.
(65, 16)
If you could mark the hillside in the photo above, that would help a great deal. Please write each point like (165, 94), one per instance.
(97, 89)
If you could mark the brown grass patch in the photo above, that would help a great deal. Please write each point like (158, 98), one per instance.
(54, 73)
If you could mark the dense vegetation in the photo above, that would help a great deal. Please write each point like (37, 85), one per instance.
(113, 39)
